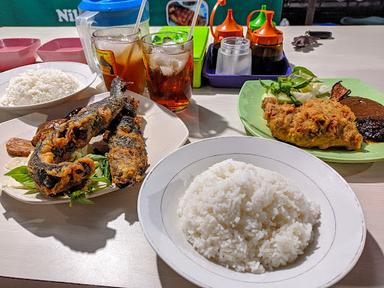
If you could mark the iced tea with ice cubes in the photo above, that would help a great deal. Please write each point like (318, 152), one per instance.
(119, 53)
(168, 59)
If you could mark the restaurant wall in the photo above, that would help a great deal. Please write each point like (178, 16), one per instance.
(64, 12)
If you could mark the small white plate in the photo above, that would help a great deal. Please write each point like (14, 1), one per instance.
(164, 132)
(78, 70)
(337, 245)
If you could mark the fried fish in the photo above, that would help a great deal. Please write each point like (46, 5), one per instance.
(127, 154)
(50, 165)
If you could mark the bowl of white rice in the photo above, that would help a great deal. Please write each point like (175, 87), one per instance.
(249, 212)
(42, 85)
(247, 218)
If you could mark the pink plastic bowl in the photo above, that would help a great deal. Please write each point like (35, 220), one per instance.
(15, 52)
(62, 49)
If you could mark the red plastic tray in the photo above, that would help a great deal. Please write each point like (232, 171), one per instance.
(62, 49)
(15, 52)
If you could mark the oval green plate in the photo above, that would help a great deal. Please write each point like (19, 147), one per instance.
(251, 114)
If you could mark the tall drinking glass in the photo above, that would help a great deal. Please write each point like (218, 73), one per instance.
(119, 54)
(168, 59)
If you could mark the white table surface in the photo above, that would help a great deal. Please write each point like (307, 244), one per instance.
(103, 244)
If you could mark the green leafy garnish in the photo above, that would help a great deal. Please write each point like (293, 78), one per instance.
(102, 173)
(21, 175)
(300, 78)
(96, 157)
(79, 197)
(300, 82)
(300, 71)
(101, 179)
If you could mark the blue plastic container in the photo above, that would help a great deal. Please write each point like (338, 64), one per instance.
(116, 12)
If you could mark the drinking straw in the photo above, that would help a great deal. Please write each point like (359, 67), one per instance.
(194, 20)
(138, 20)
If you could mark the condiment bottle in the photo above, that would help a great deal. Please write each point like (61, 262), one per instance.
(267, 46)
(228, 28)
(260, 19)
(234, 57)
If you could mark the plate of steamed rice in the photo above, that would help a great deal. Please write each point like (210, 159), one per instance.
(42, 85)
(249, 212)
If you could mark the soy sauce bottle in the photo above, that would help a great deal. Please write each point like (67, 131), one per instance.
(228, 28)
(267, 47)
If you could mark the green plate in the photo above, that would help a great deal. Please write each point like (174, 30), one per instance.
(251, 114)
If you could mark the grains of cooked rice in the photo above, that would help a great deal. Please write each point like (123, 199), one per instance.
(38, 86)
(246, 218)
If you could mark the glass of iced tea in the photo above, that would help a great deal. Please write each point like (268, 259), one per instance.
(168, 59)
(119, 53)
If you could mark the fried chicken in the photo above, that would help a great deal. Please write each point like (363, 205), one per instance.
(319, 123)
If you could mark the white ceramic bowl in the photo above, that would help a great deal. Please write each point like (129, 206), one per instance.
(78, 70)
(335, 250)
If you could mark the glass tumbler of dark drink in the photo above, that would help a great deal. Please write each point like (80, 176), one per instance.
(168, 59)
(119, 53)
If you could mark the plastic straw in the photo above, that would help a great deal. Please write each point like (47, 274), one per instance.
(194, 20)
(138, 20)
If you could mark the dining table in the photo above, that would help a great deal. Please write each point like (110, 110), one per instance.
(103, 245)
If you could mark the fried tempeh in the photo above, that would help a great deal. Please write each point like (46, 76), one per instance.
(17, 147)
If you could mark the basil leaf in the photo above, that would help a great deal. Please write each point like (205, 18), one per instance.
(79, 197)
(77, 194)
(18, 173)
(21, 175)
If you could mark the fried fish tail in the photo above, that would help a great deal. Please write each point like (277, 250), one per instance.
(127, 154)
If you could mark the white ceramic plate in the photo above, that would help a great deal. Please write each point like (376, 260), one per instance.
(336, 249)
(164, 132)
(78, 70)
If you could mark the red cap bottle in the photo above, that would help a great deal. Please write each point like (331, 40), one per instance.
(267, 46)
(267, 34)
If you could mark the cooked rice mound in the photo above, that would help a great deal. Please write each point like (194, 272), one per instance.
(39, 86)
(246, 218)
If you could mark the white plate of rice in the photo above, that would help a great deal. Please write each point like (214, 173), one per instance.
(249, 212)
(42, 85)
